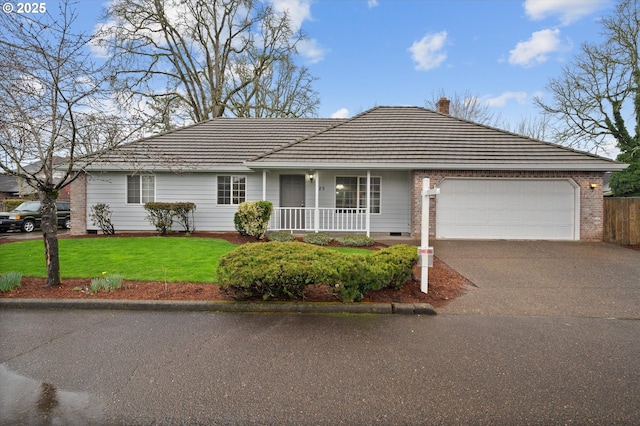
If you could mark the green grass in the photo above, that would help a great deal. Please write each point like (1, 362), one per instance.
(137, 258)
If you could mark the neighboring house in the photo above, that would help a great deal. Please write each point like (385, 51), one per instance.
(13, 187)
(362, 174)
(8, 186)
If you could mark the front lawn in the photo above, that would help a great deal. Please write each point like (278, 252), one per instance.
(135, 258)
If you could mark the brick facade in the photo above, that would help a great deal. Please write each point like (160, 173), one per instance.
(79, 205)
(591, 204)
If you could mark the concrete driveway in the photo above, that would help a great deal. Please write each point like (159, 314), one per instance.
(545, 278)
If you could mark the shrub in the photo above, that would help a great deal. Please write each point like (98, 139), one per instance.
(282, 236)
(183, 214)
(101, 217)
(356, 241)
(317, 238)
(252, 218)
(161, 215)
(396, 264)
(277, 270)
(10, 280)
(107, 283)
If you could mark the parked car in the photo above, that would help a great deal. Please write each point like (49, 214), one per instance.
(27, 217)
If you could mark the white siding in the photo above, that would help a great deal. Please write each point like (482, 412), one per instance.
(201, 189)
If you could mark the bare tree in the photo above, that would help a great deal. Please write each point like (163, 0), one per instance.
(205, 59)
(51, 105)
(599, 92)
(467, 106)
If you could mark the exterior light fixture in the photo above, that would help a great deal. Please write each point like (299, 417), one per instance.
(593, 185)
(311, 177)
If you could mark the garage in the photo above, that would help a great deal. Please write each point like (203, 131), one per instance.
(513, 209)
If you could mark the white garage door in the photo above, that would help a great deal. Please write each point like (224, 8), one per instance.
(527, 209)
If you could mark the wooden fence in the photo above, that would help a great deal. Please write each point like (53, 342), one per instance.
(622, 220)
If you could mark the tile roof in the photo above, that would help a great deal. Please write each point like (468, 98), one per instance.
(416, 137)
(213, 144)
(384, 137)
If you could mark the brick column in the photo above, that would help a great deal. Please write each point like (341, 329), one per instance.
(79, 205)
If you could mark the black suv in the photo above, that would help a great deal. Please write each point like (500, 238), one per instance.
(27, 217)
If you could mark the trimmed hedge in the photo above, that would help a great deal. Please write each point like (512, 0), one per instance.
(283, 270)
(282, 236)
(317, 238)
(355, 241)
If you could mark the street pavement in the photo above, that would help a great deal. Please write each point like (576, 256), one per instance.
(543, 360)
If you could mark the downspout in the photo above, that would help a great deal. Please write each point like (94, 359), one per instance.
(264, 184)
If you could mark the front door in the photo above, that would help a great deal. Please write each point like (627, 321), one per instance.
(292, 194)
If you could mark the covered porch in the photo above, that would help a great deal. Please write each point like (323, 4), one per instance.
(323, 200)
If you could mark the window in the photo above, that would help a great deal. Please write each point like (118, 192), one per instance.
(351, 192)
(232, 190)
(141, 189)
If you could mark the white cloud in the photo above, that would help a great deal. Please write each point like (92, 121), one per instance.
(428, 53)
(341, 113)
(501, 101)
(568, 11)
(534, 51)
(372, 3)
(311, 50)
(297, 10)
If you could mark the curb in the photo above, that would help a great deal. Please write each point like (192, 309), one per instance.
(217, 306)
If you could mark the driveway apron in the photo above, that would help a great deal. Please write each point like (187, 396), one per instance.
(544, 278)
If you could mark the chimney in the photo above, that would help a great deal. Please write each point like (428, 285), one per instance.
(442, 106)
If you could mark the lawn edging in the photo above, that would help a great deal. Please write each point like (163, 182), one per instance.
(222, 306)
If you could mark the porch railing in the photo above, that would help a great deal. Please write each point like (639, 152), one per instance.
(318, 219)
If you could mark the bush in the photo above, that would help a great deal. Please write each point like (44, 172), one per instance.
(161, 215)
(355, 241)
(10, 280)
(252, 218)
(282, 236)
(396, 264)
(183, 214)
(284, 270)
(275, 269)
(317, 238)
(101, 217)
(107, 283)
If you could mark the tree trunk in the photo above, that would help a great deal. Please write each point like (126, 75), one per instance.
(49, 227)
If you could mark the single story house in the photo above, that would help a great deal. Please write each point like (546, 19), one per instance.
(356, 175)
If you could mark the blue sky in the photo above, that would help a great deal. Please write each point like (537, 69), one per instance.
(404, 52)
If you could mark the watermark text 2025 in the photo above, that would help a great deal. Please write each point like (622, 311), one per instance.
(25, 7)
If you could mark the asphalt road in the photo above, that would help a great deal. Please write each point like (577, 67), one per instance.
(121, 367)
(539, 362)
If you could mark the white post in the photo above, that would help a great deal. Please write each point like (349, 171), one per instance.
(264, 184)
(424, 232)
(425, 251)
(368, 213)
(316, 218)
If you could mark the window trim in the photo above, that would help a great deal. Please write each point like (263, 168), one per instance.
(357, 191)
(140, 189)
(232, 198)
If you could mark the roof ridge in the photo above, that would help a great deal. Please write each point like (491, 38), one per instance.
(339, 122)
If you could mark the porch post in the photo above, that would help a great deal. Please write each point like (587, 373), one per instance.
(368, 212)
(264, 184)
(316, 214)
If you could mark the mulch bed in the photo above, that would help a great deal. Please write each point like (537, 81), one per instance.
(444, 283)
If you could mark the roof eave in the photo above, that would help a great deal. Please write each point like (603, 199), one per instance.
(604, 167)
